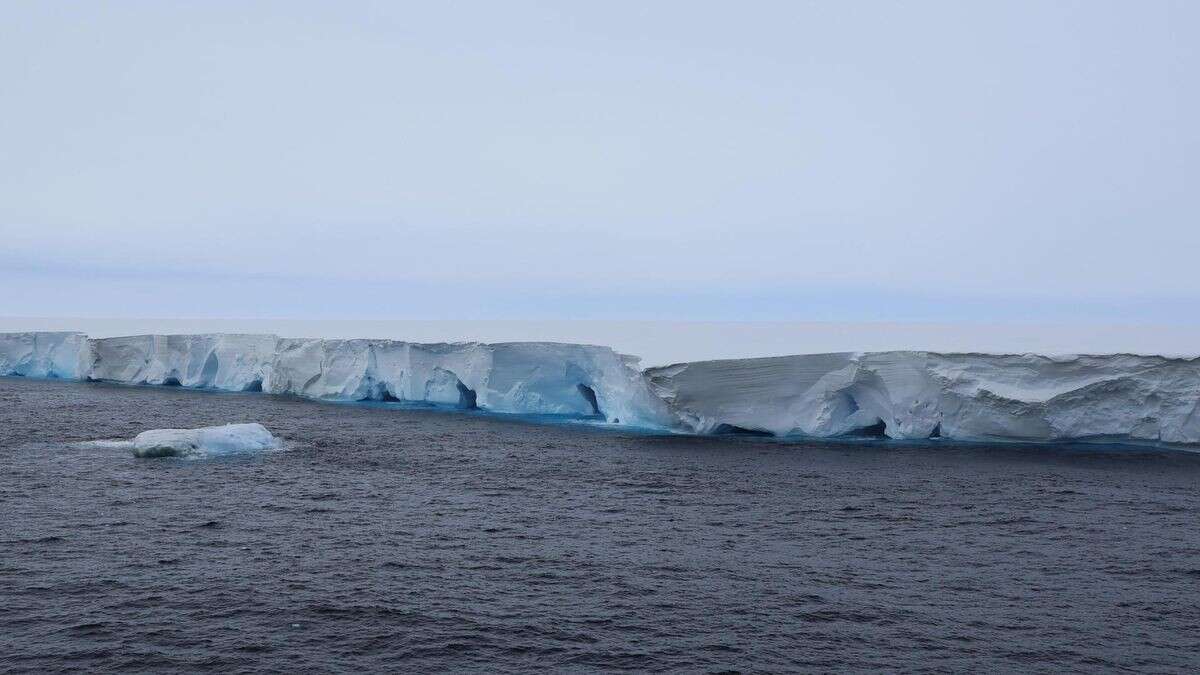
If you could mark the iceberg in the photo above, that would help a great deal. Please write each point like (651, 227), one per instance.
(217, 440)
(909, 395)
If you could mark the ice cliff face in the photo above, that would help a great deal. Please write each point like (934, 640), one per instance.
(519, 377)
(44, 355)
(917, 395)
(227, 362)
(528, 378)
(900, 395)
(201, 442)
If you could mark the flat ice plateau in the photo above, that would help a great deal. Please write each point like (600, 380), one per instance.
(896, 394)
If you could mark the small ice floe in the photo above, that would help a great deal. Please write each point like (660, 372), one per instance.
(219, 440)
(204, 441)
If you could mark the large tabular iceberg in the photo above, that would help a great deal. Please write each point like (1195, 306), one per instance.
(900, 395)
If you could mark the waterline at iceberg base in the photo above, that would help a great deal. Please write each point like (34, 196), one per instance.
(896, 395)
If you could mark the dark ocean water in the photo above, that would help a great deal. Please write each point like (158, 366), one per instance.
(422, 541)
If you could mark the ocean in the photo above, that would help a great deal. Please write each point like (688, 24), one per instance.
(399, 539)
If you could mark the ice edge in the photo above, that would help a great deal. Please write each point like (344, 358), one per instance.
(904, 395)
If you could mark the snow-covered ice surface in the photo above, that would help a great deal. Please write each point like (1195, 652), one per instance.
(896, 394)
(194, 443)
(219, 440)
(921, 395)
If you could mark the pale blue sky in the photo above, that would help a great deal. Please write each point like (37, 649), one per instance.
(686, 160)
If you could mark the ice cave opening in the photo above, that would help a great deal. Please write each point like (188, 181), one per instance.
(589, 395)
(876, 430)
(467, 399)
(724, 429)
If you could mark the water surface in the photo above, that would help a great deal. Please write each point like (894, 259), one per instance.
(433, 541)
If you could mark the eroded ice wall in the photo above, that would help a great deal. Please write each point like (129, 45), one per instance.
(227, 362)
(917, 395)
(378, 370)
(571, 379)
(45, 354)
(901, 395)
(524, 377)
(528, 377)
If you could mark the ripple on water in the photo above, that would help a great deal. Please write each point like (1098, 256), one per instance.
(417, 540)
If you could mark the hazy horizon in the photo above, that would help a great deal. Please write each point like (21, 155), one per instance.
(662, 342)
(924, 161)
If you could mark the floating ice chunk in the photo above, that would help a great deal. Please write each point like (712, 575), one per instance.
(220, 440)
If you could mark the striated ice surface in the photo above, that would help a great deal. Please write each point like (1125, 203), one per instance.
(218, 440)
(227, 362)
(62, 355)
(899, 395)
(523, 377)
(918, 395)
(517, 377)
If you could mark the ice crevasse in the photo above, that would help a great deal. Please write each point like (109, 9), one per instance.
(898, 395)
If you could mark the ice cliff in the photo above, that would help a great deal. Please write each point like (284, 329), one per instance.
(899, 395)
(519, 377)
(919, 395)
(62, 355)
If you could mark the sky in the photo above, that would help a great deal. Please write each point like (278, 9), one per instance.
(892, 161)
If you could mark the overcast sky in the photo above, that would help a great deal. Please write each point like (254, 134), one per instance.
(685, 160)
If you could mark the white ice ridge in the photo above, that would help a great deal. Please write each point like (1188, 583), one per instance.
(899, 395)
